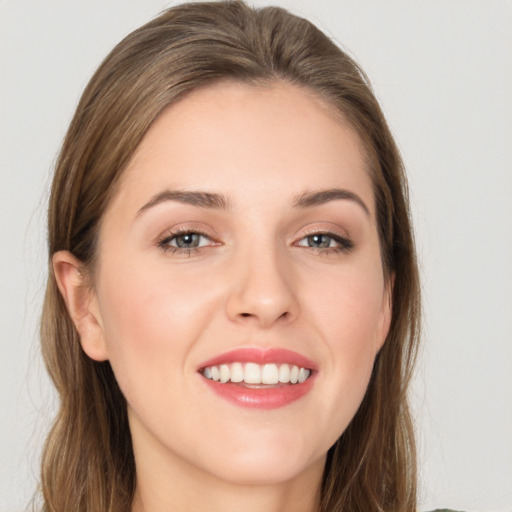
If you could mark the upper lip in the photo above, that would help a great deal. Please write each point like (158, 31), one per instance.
(260, 355)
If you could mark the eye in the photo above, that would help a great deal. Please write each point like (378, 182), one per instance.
(185, 241)
(327, 241)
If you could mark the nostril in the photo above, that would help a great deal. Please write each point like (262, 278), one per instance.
(248, 315)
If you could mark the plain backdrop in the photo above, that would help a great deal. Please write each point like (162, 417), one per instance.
(442, 71)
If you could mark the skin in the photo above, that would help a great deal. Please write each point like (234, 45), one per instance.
(156, 314)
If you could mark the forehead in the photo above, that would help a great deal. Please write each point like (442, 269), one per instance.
(232, 136)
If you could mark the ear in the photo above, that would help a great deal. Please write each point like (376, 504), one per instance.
(386, 312)
(81, 302)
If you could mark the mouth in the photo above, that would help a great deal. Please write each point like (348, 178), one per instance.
(253, 374)
(259, 378)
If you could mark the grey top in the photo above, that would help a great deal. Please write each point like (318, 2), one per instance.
(445, 510)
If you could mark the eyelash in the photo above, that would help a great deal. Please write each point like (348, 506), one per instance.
(165, 241)
(344, 244)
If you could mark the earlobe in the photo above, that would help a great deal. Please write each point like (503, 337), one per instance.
(82, 304)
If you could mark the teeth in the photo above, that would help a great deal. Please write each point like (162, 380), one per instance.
(225, 374)
(237, 372)
(252, 373)
(284, 373)
(269, 374)
(215, 373)
(294, 374)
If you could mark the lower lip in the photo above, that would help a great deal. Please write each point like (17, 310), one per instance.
(261, 398)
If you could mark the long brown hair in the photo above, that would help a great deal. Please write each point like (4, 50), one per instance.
(88, 463)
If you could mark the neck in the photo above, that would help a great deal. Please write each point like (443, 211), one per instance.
(182, 495)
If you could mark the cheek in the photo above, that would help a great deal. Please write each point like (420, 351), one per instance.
(349, 307)
(355, 334)
(151, 319)
(350, 317)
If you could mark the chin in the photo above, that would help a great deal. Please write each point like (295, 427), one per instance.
(265, 471)
(267, 462)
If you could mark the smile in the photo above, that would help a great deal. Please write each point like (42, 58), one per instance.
(255, 374)
(259, 378)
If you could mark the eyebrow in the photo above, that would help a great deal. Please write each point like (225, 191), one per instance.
(194, 198)
(309, 199)
(219, 201)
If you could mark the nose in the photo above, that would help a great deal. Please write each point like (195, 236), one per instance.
(262, 290)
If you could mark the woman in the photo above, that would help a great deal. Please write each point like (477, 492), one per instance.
(232, 312)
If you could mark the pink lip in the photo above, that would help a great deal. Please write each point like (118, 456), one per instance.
(260, 356)
(269, 397)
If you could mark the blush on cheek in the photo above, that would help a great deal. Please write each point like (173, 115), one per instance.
(151, 321)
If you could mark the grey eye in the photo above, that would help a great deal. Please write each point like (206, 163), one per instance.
(319, 241)
(187, 240)
(329, 241)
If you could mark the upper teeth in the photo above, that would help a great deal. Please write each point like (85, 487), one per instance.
(252, 373)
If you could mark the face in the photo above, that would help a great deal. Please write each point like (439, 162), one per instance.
(239, 290)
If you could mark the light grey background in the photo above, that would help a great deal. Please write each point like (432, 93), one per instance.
(443, 73)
